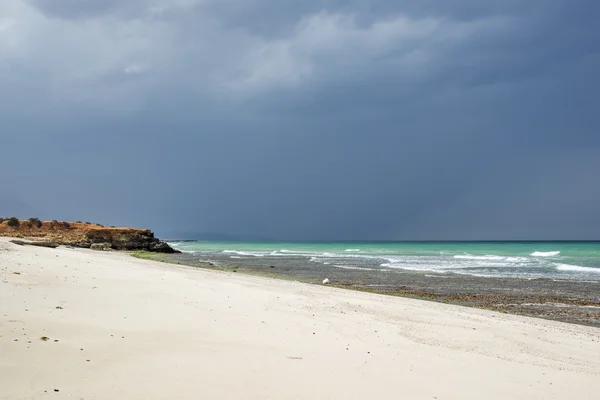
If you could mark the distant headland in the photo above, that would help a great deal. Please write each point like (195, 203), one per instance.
(83, 234)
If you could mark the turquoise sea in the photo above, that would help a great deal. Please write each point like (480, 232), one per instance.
(529, 260)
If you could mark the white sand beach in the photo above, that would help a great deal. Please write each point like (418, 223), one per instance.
(124, 328)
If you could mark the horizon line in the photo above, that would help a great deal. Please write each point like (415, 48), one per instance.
(394, 241)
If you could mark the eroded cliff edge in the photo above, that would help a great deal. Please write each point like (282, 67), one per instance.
(84, 235)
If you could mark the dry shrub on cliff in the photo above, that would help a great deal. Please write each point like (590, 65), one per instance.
(35, 221)
(13, 222)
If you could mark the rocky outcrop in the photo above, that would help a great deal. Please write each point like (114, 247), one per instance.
(162, 247)
(85, 235)
(101, 246)
(129, 239)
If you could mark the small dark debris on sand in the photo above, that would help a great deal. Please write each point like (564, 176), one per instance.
(51, 245)
(45, 338)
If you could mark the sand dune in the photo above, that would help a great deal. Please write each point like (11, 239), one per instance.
(123, 328)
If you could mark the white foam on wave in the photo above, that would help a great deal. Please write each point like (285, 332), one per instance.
(576, 268)
(414, 267)
(279, 253)
(290, 253)
(176, 245)
(321, 257)
(350, 255)
(545, 253)
(516, 259)
(492, 258)
(244, 253)
(483, 258)
(352, 250)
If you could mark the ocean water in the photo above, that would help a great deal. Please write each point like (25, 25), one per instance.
(530, 260)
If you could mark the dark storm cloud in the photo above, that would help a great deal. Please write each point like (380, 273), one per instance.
(315, 119)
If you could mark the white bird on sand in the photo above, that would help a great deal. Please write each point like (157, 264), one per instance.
(325, 281)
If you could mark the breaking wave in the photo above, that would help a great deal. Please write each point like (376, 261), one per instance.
(244, 253)
(186, 251)
(485, 258)
(577, 268)
(545, 253)
(491, 258)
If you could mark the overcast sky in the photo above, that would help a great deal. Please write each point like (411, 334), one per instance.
(304, 119)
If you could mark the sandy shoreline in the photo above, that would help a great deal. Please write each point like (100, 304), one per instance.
(158, 331)
(559, 300)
